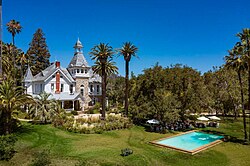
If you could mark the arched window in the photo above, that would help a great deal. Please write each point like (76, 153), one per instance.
(82, 90)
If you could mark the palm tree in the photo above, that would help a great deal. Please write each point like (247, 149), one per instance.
(127, 51)
(235, 61)
(245, 42)
(44, 107)
(102, 53)
(110, 68)
(12, 99)
(14, 28)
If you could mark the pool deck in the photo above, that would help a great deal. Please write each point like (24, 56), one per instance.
(197, 150)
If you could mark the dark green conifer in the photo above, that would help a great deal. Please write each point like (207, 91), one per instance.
(38, 53)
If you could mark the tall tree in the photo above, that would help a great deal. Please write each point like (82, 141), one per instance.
(38, 53)
(127, 51)
(9, 70)
(234, 60)
(245, 50)
(245, 42)
(103, 54)
(14, 28)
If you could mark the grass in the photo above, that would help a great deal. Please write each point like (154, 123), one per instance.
(104, 149)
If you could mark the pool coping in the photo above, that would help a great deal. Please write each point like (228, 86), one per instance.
(192, 152)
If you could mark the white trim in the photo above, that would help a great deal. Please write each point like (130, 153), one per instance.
(58, 69)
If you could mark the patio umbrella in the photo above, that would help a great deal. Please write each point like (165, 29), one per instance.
(214, 118)
(203, 118)
(153, 121)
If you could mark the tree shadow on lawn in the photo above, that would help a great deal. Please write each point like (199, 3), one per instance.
(227, 138)
(25, 129)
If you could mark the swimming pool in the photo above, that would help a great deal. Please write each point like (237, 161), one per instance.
(190, 142)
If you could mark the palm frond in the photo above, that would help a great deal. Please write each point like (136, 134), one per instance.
(128, 50)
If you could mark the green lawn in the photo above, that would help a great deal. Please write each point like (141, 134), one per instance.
(104, 149)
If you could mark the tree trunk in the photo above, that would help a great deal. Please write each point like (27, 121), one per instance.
(242, 103)
(13, 39)
(126, 88)
(103, 90)
(248, 49)
(235, 112)
(6, 122)
(13, 56)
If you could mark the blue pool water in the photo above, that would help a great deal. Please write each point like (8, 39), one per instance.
(190, 141)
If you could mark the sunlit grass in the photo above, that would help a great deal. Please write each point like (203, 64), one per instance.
(104, 149)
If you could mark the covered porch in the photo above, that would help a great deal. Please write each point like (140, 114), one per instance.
(70, 102)
(70, 105)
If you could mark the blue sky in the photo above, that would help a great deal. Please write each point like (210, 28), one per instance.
(196, 33)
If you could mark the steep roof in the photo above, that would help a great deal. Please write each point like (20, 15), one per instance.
(48, 72)
(28, 77)
(78, 60)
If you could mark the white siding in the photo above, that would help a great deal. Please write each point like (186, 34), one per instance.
(63, 80)
(28, 87)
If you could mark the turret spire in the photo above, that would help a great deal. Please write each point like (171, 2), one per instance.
(78, 59)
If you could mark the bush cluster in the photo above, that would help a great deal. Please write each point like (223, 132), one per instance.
(41, 158)
(7, 143)
(92, 125)
(126, 152)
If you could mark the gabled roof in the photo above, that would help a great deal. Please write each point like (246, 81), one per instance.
(49, 71)
(28, 77)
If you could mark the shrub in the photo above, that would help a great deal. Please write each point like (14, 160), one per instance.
(87, 163)
(126, 152)
(42, 159)
(92, 124)
(7, 143)
(22, 115)
(74, 112)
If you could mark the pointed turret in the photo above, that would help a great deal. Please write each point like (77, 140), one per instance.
(78, 60)
(28, 77)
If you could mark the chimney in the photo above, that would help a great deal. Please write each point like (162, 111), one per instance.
(57, 64)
